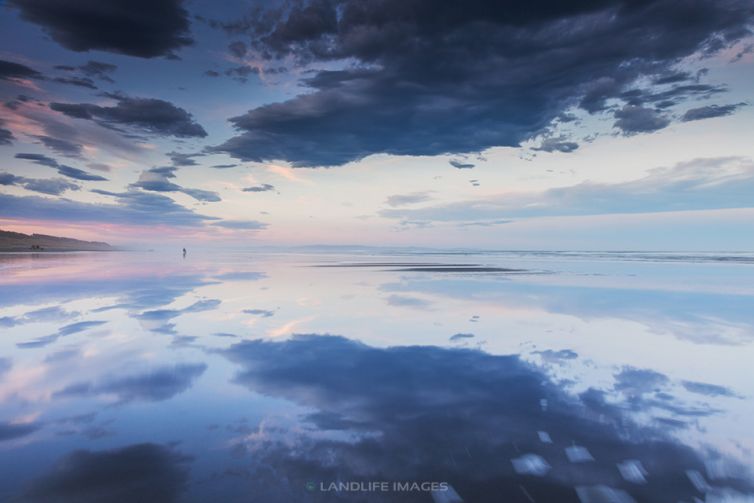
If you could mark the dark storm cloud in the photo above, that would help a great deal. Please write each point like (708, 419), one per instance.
(64, 170)
(422, 413)
(632, 119)
(140, 472)
(151, 386)
(54, 186)
(435, 78)
(9, 431)
(265, 187)
(710, 111)
(146, 115)
(11, 70)
(142, 28)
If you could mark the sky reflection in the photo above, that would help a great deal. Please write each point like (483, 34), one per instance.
(139, 377)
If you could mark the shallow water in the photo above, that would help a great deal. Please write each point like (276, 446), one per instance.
(240, 376)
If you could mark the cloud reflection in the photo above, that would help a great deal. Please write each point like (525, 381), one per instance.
(142, 472)
(462, 416)
(152, 386)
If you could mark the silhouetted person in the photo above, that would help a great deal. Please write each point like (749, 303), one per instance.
(184, 253)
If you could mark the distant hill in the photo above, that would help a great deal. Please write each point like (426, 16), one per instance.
(16, 242)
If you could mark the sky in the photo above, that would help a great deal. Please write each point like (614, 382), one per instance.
(590, 124)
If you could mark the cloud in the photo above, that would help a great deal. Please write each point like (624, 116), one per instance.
(10, 70)
(54, 186)
(157, 180)
(182, 159)
(64, 170)
(142, 28)
(155, 385)
(87, 73)
(60, 146)
(237, 48)
(133, 208)
(434, 79)
(265, 187)
(241, 73)
(557, 144)
(40, 159)
(460, 164)
(146, 115)
(202, 195)
(76, 81)
(460, 337)
(263, 313)
(138, 472)
(485, 223)
(79, 174)
(633, 119)
(710, 111)
(6, 135)
(713, 183)
(99, 70)
(33, 117)
(406, 199)
(11, 431)
(707, 389)
(241, 224)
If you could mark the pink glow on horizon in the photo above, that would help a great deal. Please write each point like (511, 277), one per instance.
(120, 234)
